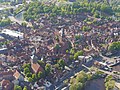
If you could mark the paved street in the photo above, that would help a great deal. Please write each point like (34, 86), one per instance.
(107, 72)
(59, 84)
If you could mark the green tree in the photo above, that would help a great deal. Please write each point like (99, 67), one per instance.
(29, 74)
(40, 75)
(108, 78)
(47, 69)
(24, 24)
(76, 56)
(106, 9)
(82, 77)
(72, 80)
(76, 86)
(26, 70)
(115, 46)
(67, 51)
(57, 66)
(86, 28)
(79, 53)
(16, 87)
(34, 77)
(61, 63)
(57, 46)
(24, 2)
(97, 15)
(89, 76)
(77, 37)
(71, 57)
(26, 65)
(25, 88)
(42, 63)
(72, 51)
(110, 85)
(30, 79)
(5, 22)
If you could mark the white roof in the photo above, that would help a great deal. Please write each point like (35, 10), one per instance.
(12, 33)
(1, 37)
(81, 57)
(1, 8)
(87, 57)
(2, 49)
(47, 84)
(67, 68)
(64, 88)
(35, 85)
(103, 63)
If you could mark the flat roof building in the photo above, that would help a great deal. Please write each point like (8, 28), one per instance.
(12, 33)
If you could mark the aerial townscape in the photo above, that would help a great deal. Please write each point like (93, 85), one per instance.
(59, 44)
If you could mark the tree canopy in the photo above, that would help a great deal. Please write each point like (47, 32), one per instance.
(79, 53)
(109, 83)
(5, 22)
(114, 46)
(35, 9)
(16, 87)
(76, 86)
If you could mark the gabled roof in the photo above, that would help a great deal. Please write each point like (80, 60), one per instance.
(16, 74)
(36, 67)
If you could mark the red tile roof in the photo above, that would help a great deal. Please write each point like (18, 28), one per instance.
(16, 74)
(36, 67)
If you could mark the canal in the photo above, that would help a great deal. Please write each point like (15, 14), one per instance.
(97, 84)
(116, 68)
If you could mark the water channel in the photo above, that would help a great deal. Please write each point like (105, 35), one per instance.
(97, 84)
(116, 68)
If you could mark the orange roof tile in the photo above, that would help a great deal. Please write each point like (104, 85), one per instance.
(36, 67)
(16, 74)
